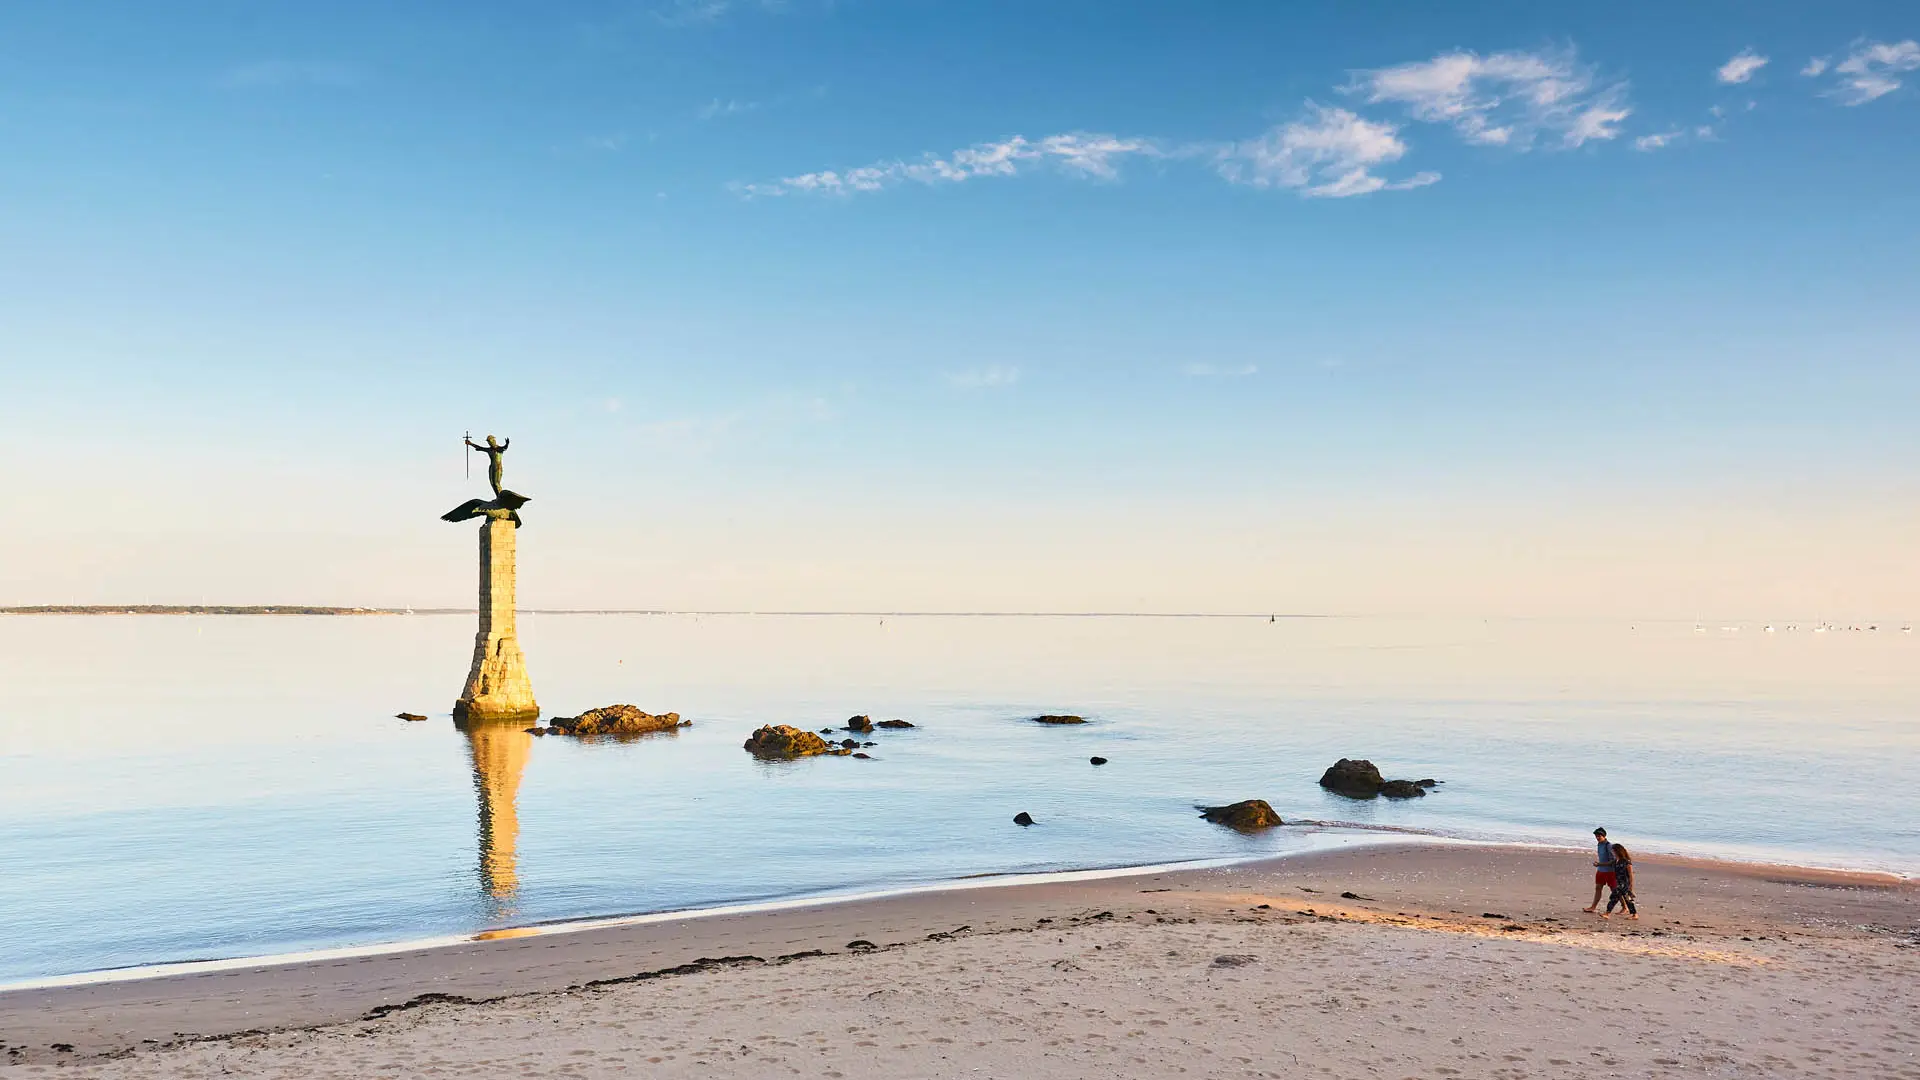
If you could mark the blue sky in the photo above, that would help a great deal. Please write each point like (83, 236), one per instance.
(986, 304)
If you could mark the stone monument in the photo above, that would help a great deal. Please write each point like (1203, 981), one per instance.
(497, 686)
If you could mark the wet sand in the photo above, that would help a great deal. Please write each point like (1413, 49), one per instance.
(1437, 960)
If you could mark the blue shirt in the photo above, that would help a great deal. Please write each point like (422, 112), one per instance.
(1605, 861)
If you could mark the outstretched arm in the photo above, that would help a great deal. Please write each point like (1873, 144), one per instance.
(504, 443)
(471, 444)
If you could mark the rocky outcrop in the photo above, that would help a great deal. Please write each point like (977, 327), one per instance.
(413, 716)
(780, 742)
(1023, 819)
(893, 724)
(616, 720)
(1359, 779)
(859, 723)
(1097, 760)
(1248, 815)
(1058, 718)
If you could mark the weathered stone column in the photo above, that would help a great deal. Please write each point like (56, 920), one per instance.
(497, 686)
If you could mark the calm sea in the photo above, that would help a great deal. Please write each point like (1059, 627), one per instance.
(180, 788)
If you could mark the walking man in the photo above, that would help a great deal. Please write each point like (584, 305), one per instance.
(1603, 866)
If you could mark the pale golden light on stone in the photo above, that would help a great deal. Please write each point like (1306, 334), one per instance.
(497, 685)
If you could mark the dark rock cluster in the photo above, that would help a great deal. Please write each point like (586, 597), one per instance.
(1359, 779)
(1056, 718)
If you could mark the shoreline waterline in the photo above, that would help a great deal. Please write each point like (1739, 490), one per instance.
(1347, 837)
(751, 907)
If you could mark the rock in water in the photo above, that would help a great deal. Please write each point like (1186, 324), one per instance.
(893, 724)
(1360, 780)
(1052, 718)
(1098, 760)
(408, 716)
(850, 743)
(859, 723)
(779, 742)
(1250, 815)
(1023, 818)
(1355, 779)
(616, 720)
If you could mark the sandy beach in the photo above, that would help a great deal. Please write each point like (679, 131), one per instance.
(1394, 961)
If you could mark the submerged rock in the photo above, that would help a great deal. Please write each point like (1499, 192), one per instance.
(1059, 718)
(1402, 789)
(1097, 760)
(1023, 818)
(408, 716)
(1248, 815)
(859, 723)
(616, 720)
(893, 724)
(850, 743)
(780, 742)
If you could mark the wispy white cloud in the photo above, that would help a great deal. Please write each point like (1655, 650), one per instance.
(1511, 99)
(1742, 67)
(1329, 153)
(606, 143)
(993, 375)
(1867, 73)
(1503, 99)
(692, 12)
(1816, 67)
(1210, 371)
(707, 12)
(1077, 153)
(716, 107)
(1659, 141)
(273, 74)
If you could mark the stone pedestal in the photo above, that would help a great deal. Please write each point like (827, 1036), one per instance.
(497, 686)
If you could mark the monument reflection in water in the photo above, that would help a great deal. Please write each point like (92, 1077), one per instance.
(500, 749)
(497, 703)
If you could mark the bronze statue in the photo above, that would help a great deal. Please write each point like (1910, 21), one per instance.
(504, 504)
(494, 451)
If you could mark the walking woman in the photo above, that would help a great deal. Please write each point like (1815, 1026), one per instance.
(1622, 883)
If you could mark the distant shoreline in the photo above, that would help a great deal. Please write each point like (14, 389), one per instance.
(299, 609)
(204, 609)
